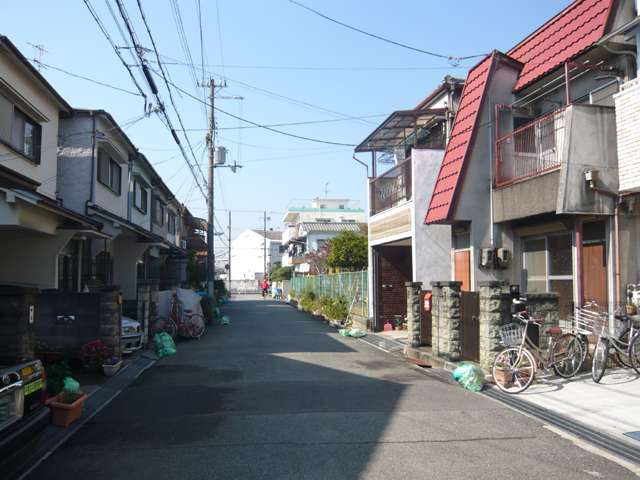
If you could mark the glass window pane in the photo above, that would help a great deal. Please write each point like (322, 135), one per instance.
(103, 167)
(17, 131)
(560, 255)
(535, 266)
(29, 139)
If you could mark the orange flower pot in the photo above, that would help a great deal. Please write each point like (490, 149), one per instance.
(65, 411)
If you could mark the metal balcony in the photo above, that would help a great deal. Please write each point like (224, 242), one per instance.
(530, 150)
(391, 188)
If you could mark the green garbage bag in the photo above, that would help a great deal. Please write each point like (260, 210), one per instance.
(225, 320)
(70, 385)
(470, 376)
(164, 344)
(357, 333)
(344, 332)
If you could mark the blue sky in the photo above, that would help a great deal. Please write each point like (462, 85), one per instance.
(337, 73)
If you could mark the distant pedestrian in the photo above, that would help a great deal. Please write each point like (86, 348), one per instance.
(264, 286)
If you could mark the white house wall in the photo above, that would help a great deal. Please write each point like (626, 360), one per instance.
(75, 162)
(15, 77)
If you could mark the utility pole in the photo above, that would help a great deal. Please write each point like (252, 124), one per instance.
(211, 259)
(264, 243)
(229, 242)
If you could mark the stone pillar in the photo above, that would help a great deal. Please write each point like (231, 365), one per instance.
(144, 302)
(154, 286)
(446, 321)
(414, 289)
(110, 319)
(545, 306)
(18, 311)
(494, 312)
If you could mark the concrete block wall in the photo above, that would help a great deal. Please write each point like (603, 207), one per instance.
(414, 291)
(17, 337)
(110, 319)
(495, 311)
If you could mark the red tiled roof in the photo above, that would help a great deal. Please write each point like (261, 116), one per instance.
(566, 35)
(459, 142)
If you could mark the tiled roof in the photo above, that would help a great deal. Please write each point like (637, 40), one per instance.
(459, 142)
(270, 234)
(332, 227)
(566, 35)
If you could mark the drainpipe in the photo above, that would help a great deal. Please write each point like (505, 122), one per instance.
(491, 158)
(93, 157)
(616, 237)
(579, 237)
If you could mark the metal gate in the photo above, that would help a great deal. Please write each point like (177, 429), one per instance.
(470, 325)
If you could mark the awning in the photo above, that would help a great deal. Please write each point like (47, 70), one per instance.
(399, 126)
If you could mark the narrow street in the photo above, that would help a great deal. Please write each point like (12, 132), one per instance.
(278, 394)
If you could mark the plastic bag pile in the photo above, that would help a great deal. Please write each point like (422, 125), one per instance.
(164, 344)
(470, 376)
(352, 332)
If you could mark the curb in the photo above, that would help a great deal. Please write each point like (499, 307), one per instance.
(52, 437)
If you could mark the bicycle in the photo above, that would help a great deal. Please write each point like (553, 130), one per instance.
(192, 325)
(515, 367)
(626, 345)
(180, 322)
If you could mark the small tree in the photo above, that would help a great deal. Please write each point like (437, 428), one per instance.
(348, 251)
(317, 260)
(279, 273)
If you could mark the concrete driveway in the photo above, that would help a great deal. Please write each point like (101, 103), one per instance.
(279, 395)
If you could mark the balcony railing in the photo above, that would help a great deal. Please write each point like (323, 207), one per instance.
(391, 188)
(530, 150)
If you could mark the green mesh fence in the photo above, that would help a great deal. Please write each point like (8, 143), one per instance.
(353, 286)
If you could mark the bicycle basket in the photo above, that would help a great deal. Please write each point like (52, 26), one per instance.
(511, 334)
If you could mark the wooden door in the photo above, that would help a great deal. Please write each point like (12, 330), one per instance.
(594, 273)
(470, 314)
(462, 268)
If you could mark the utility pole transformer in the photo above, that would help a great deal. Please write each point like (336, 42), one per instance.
(211, 259)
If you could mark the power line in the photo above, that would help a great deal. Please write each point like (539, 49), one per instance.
(155, 91)
(300, 137)
(451, 58)
(75, 75)
(338, 68)
(291, 124)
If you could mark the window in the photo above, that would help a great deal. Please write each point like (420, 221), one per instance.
(140, 197)
(548, 267)
(19, 131)
(109, 172)
(323, 220)
(158, 211)
(171, 224)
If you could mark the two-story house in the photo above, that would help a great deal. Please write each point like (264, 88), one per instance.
(531, 180)
(308, 228)
(42, 238)
(401, 248)
(248, 261)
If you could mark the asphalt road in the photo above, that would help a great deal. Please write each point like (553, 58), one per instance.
(279, 395)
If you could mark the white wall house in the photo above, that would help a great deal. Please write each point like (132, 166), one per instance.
(311, 226)
(40, 237)
(247, 254)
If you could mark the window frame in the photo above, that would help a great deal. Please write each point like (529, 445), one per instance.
(18, 115)
(158, 202)
(172, 222)
(112, 166)
(140, 191)
(548, 276)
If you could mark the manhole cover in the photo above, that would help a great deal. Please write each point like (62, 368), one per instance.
(634, 435)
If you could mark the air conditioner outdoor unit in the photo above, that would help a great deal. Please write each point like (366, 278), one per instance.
(503, 257)
(486, 258)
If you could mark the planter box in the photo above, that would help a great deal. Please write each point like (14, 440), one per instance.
(111, 369)
(64, 414)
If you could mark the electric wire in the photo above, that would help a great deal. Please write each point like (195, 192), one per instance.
(451, 58)
(300, 137)
(292, 124)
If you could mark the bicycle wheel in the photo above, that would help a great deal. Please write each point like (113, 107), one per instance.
(634, 352)
(513, 370)
(600, 358)
(621, 355)
(584, 343)
(566, 355)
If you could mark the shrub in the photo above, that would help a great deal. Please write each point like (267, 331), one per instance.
(337, 309)
(324, 302)
(308, 301)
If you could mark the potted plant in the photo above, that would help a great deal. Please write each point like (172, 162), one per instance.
(111, 366)
(94, 354)
(66, 407)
